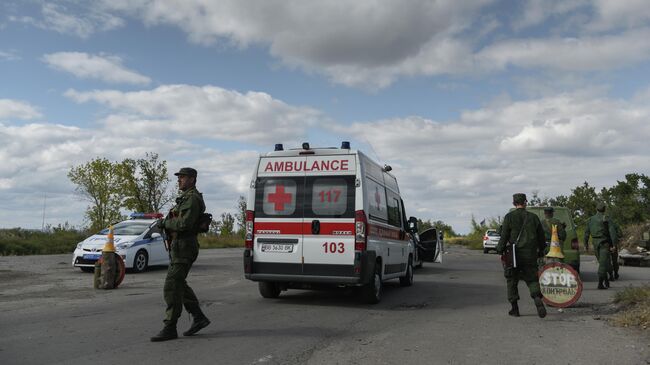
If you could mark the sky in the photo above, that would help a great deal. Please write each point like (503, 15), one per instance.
(468, 101)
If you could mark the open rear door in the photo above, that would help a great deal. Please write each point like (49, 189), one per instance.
(430, 249)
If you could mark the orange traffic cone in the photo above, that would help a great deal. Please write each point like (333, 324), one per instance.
(555, 250)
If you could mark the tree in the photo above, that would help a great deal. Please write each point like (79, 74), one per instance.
(98, 181)
(241, 216)
(582, 202)
(145, 183)
(227, 225)
(628, 200)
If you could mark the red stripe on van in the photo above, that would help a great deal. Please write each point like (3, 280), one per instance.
(385, 232)
(326, 228)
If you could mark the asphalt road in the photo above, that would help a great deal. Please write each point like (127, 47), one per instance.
(456, 313)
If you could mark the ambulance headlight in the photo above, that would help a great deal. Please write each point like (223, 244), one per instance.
(79, 245)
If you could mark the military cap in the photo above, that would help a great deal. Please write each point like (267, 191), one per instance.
(600, 205)
(188, 171)
(548, 210)
(519, 198)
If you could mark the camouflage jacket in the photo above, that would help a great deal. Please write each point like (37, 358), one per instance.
(182, 222)
(596, 228)
(547, 224)
(532, 242)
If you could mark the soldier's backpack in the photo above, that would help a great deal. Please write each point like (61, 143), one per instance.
(203, 224)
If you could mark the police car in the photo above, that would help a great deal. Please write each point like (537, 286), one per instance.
(137, 240)
(325, 216)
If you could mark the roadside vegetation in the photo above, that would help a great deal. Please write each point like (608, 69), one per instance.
(16, 241)
(635, 304)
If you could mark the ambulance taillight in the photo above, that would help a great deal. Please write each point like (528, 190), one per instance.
(250, 216)
(361, 231)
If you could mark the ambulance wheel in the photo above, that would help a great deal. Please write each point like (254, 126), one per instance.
(407, 279)
(371, 292)
(486, 250)
(268, 289)
(87, 269)
(140, 261)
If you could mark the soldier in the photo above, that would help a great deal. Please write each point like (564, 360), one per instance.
(181, 223)
(603, 235)
(524, 231)
(613, 273)
(548, 224)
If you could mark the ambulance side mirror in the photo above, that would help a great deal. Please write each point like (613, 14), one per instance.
(413, 225)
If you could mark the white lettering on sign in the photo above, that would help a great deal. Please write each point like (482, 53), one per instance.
(557, 279)
(300, 166)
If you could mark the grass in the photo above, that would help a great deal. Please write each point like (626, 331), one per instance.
(635, 302)
(19, 242)
(214, 241)
(469, 241)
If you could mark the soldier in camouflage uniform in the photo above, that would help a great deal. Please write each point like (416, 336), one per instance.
(613, 273)
(603, 234)
(548, 223)
(523, 228)
(182, 224)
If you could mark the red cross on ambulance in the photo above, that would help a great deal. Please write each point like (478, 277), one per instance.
(280, 198)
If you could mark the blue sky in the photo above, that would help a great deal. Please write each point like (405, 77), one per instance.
(469, 101)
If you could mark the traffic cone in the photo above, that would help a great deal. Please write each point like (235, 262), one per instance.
(555, 250)
(108, 265)
(110, 245)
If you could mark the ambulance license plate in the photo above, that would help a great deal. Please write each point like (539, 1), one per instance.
(91, 256)
(277, 247)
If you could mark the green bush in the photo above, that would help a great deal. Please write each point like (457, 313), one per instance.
(17, 241)
(221, 241)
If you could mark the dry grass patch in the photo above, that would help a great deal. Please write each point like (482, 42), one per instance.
(635, 303)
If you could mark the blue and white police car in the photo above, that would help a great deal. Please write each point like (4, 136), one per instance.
(137, 240)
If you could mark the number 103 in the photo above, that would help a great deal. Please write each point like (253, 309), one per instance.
(333, 247)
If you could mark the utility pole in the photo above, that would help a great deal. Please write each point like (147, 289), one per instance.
(44, 202)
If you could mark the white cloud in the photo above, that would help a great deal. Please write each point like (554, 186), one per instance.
(209, 111)
(74, 18)
(102, 67)
(17, 109)
(619, 14)
(569, 54)
(472, 165)
(9, 55)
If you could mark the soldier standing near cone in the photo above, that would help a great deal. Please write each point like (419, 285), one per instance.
(548, 224)
(604, 235)
(523, 235)
(182, 224)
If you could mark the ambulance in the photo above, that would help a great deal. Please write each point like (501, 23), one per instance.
(326, 216)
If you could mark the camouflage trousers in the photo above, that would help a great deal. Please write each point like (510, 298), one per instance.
(525, 272)
(178, 294)
(604, 257)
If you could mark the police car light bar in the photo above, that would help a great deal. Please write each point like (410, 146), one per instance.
(146, 215)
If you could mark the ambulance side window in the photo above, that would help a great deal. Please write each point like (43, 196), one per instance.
(394, 214)
(376, 195)
(278, 197)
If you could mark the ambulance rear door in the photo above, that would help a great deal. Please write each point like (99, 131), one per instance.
(328, 231)
(278, 228)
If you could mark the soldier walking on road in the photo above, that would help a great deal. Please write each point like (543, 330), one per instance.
(603, 234)
(182, 224)
(522, 238)
(613, 273)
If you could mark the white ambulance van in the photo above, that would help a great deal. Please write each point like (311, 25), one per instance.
(326, 216)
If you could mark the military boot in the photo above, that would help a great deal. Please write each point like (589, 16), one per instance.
(611, 277)
(167, 333)
(600, 284)
(541, 310)
(198, 323)
(616, 275)
(515, 309)
(606, 282)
